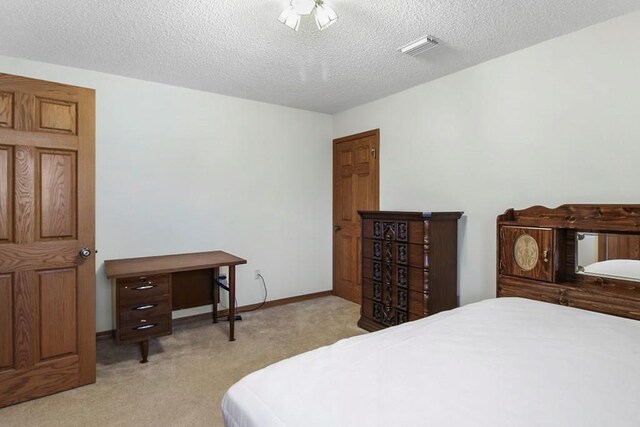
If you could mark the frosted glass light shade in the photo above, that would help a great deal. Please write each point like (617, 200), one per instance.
(325, 16)
(303, 7)
(290, 18)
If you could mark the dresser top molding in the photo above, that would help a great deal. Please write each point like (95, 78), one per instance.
(121, 268)
(400, 215)
(585, 217)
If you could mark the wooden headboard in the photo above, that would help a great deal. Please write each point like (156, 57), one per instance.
(536, 256)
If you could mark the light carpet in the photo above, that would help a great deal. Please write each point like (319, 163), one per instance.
(188, 372)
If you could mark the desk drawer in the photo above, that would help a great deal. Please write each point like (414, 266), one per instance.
(142, 289)
(136, 312)
(145, 328)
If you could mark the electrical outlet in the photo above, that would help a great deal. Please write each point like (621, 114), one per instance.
(257, 275)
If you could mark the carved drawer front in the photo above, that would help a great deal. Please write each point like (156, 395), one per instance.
(376, 230)
(401, 317)
(396, 252)
(402, 253)
(527, 252)
(376, 291)
(372, 269)
(388, 318)
(397, 299)
(145, 328)
(372, 249)
(400, 231)
(145, 310)
(416, 279)
(400, 300)
(372, 290)
(402, 276)
(142, 289)
(389, 230)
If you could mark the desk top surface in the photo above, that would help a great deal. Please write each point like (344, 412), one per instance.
(118, 268)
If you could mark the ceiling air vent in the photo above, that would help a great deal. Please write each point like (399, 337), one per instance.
(419, 46)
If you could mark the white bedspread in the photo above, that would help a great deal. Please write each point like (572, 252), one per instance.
(500, 362)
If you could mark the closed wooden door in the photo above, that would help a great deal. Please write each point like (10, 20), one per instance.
(47, 289)
(355, 187)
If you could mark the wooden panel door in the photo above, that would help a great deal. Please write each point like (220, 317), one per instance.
(527, 252)
(47, 289)
(618, 246)
(355, 187)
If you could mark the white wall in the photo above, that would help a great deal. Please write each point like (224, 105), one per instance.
(179, 170)
(555, 123)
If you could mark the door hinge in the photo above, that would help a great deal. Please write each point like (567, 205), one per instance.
(501, 266)
(501, 233)
(373, 152)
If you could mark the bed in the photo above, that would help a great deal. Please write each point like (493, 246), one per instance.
(500, 362)
(559, 347)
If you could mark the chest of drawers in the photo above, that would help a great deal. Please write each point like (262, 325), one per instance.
(409, 266)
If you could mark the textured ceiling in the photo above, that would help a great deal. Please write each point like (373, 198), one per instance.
(237, 47)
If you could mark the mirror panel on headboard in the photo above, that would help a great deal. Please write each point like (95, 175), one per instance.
(608, 255)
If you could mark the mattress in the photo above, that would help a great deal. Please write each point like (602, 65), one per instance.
(500, 362)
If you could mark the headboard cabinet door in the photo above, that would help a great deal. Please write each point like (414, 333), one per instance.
(527, 252)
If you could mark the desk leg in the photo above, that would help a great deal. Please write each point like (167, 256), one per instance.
(144, 349)
(216, 294)
(232, 300)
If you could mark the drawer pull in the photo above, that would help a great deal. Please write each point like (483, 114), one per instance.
(143, 327)
(145, 307)
(144, 287)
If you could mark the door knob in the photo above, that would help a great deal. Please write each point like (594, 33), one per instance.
(337, 228)
(85, 252)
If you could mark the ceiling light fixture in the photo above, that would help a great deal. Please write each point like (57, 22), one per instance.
(324, 15)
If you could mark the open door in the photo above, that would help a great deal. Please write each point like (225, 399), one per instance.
(47, 268)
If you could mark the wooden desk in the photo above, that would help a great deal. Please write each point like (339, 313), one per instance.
(146, 291)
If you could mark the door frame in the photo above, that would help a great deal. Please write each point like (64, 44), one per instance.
(376, 191)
